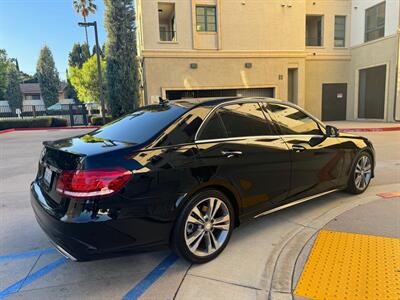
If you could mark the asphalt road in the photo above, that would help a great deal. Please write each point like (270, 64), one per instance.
(31, 269)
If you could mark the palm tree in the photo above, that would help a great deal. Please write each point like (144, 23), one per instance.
(84, 8)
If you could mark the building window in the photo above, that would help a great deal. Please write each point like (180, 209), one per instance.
(32, 97)
(166, 22)
(314, 31)
(206, 18)
(375, 22)
(340, 31)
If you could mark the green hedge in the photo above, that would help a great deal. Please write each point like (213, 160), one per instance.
(98, 120)
(33, 123)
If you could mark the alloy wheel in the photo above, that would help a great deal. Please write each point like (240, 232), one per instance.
(207, 226)
(362, 173)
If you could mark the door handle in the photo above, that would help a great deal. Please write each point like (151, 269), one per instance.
(298, 148)
(230, 154)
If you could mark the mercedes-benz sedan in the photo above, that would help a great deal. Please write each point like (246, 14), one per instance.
(186, 173)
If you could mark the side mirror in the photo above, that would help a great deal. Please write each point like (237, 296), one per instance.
(331, 131)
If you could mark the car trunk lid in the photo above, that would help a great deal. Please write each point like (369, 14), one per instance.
(70, 154)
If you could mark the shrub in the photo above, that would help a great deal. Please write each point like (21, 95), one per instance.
(58, 122)
(98, 120)
(32, 123)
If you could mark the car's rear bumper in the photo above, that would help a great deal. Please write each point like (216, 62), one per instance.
(90, 239)
(68, 246)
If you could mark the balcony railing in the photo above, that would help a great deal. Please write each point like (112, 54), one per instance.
(167, 36)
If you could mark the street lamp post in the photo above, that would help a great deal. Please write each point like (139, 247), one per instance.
(94, 24)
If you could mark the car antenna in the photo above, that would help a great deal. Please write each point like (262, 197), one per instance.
(162, 101)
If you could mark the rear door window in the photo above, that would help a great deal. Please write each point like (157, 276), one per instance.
(141, 125)
(213, 129)
(244, 119)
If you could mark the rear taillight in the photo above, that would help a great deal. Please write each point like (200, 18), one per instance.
(92, 183)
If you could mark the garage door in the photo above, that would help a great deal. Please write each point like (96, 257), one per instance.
(259, 92)
(255, 92)
(371, 93)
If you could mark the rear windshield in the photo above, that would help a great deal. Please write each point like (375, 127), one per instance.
(141, 125)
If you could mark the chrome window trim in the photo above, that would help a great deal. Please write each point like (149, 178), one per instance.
(278, 208)
(303, 135)
(257, 137)
(238, 138)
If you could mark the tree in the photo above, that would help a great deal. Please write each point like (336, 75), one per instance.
(4, 63)
(85, 80)
(16, 64)
(84, 8)
(121, 74)
(102, 50)
(78, 55)
(48, 77)
(70, 91)
(26, 78)
(13, 93)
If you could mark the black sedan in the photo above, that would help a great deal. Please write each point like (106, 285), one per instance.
(186, 173)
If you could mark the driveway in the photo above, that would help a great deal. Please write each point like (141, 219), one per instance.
(30, 268)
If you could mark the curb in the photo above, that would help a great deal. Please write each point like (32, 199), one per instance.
(47, 128)
(280, 284)
(378, 129)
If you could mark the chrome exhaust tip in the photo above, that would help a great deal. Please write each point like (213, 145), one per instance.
(64, 252)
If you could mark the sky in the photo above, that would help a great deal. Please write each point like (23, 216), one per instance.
(27, 25)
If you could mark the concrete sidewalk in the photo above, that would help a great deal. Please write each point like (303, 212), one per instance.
(355, 256)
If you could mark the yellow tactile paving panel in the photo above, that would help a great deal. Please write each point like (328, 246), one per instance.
(351, 266)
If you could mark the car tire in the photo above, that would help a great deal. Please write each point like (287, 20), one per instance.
(200, 233)
(361, 174)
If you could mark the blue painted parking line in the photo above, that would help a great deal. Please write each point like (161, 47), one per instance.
(27, 254)
(32, 277)
(152, 277)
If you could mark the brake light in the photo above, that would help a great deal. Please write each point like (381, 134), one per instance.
(92, 183)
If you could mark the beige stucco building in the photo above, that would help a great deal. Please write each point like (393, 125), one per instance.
(336, 58)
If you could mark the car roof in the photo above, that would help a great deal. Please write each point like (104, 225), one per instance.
(191, 103)
(194, 102)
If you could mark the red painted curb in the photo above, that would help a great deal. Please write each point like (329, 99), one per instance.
(396, 128)
(389, 195)
(47, 128)
(7, 130)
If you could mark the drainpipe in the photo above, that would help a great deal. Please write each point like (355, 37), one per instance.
(144, 82)
(396, 84)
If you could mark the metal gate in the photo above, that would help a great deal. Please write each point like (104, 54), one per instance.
(75, 114)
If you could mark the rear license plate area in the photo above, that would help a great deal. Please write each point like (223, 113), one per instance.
(47, 176)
